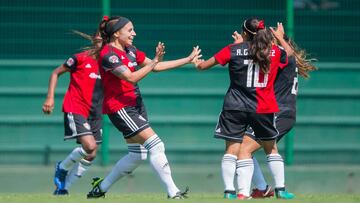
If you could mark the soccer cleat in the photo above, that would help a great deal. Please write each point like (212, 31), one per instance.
(60, 192)
(242, 197)
(180, 195)
(230, 194)
(283, 194)
(96, 191)
(59, 179)
(259, 194)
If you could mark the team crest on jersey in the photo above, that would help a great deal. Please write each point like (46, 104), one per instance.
(87, 126)
(88, 65)
(70, 62)
(114, 59)
(132, 54)
(132, 64)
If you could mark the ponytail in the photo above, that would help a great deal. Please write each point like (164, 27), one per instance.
(260, 40)
(303, 63)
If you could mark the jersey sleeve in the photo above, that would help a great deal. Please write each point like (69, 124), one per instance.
(283, 58)
(223, 56)
(110, 62)
(71, 63)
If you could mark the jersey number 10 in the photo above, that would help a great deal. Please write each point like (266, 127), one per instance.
(253, 72)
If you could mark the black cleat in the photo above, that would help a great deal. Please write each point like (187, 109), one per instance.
(96, 191)
(180, 195)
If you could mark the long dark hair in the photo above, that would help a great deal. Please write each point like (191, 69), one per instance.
(91, 38)
(303, 62)
(107, 27)
(260, 40)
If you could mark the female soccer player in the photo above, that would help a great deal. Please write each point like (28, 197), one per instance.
(250, 99)
(82, 115)
(286, 85)
(120, 72)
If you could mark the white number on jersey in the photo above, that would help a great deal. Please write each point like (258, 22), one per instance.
(254, 72)
(294, 89)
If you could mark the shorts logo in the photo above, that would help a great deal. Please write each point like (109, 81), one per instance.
(87, 126)
(218, 130)
(88, 66)
(70, 62)
(114, 59)
(142, 118)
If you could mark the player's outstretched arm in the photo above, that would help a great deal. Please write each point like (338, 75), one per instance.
(49, 103)
(167, 65)
(124, 72)
(201, 64)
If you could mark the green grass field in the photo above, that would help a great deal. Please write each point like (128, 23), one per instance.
(158, 198)
(312, 183)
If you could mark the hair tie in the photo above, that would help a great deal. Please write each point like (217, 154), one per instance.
(261, 25)
(105, 18)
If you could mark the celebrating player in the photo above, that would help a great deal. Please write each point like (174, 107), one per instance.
(250, 99)
(120, 61)
(82, 115)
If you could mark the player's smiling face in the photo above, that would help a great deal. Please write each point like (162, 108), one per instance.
(126, 34)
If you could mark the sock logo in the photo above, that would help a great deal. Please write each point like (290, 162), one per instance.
(166, 165)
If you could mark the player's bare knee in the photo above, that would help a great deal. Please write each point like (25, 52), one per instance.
(90, 148)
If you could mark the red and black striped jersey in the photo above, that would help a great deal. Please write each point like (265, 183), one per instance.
(84, 95)
(250, 89)
(119, 93)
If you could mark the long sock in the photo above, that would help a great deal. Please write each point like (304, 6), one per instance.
(276, 166)
(127, 164)
(228, 169)
(77, 172)
(160, 163)
(244, 170)
(75, 156)
(258, 177)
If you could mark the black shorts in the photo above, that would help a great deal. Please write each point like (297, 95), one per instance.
(232, 125)
(76, 125)
(283, 125)
(130, 120)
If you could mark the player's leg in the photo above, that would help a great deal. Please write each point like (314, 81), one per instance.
(75, 126)
(245, 168)
(262, 189)
(228, 130)
(268, 132)
(79, 169)
(125, 166)
(228, 168)
(128, 121)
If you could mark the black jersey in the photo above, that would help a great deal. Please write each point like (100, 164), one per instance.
(286, 87)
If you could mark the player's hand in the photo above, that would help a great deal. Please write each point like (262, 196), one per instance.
(237, 37)
(159, 52)
(197, 60)
(48, 106)
(195, 53)
(279, 32)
